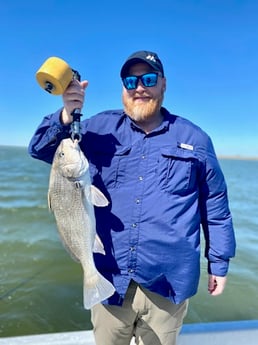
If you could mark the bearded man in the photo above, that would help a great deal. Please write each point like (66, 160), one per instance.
(163, 181)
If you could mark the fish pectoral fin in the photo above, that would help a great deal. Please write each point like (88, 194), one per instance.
(98, 246)
(97, 197)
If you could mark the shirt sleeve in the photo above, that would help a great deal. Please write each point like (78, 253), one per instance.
(216, 217)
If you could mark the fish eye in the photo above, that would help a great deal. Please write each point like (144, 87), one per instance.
(61, 154)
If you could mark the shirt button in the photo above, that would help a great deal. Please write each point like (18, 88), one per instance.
(143, 156)
(140, 178)
(134, 225)
(130, 270)
(132, 249)
(137, 201)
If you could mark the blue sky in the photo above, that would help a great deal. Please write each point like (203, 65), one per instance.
(209, 50)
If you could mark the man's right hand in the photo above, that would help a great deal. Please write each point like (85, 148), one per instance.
(73, 98)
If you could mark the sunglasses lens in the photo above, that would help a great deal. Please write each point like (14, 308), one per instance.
(149, 79)
(130, 83)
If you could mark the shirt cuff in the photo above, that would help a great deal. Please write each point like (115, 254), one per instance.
(219, 268)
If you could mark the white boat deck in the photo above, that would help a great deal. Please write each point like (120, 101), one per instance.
(219, 333)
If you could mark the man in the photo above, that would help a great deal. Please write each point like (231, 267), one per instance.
(162, 178)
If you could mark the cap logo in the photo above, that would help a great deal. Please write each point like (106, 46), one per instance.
(151, 58)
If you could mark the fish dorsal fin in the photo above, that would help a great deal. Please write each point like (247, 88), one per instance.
(98, 246)
(97, 197)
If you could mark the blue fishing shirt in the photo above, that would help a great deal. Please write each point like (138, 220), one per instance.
(163, 187)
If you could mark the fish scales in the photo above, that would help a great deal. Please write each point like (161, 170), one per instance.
(71, 198)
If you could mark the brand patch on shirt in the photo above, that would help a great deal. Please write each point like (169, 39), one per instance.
(186, 146)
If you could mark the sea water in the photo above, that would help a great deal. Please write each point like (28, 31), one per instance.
(41, 286)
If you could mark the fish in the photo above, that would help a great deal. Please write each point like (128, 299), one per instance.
(71, 198)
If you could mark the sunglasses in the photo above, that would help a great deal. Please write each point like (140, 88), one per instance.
(148, 80)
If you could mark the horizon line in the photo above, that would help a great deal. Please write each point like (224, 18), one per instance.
(235, 156)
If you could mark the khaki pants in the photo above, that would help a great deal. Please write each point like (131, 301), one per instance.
(149, 317)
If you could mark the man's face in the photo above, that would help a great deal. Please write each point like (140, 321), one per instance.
(143, 103)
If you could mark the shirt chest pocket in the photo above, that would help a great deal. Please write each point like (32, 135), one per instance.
(110, 165)
(177, 170)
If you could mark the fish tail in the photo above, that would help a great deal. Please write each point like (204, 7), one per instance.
(96, 289)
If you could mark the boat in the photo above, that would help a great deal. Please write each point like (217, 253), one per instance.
(212, 333)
